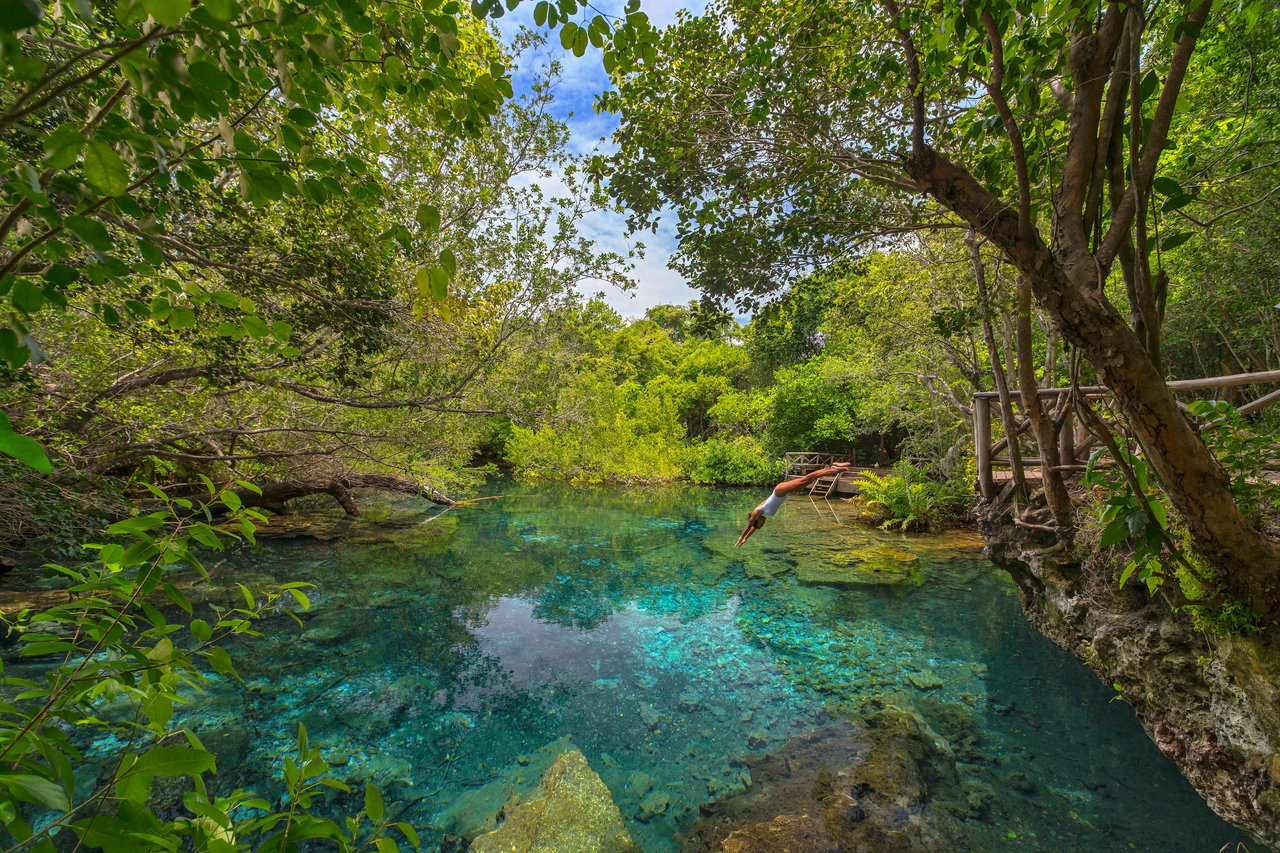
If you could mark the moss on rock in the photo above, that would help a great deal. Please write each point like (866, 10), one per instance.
(571, 809)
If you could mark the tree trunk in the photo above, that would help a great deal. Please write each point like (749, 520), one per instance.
(998, 371)
(1068, 290)
(276, 493)
(1055, 490)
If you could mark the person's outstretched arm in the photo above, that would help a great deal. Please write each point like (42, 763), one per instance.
(791, 486)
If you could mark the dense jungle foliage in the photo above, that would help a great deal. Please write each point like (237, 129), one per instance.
(255, 252)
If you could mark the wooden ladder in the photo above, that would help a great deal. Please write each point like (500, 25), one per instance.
(824, 486)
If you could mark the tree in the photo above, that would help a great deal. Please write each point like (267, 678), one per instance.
(341, 394)
(127, 129)
(783, 133)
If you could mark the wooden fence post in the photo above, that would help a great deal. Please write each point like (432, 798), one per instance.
(982, 446)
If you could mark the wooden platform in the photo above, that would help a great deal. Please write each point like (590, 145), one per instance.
(850, 483)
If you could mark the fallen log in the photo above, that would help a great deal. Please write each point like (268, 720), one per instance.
(276, 493)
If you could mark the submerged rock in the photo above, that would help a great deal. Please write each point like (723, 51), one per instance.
(571, 809)
(480, 810)
(689, 701)
(924, 680)
(653, 804)
(889, 788)
(638, 783)
(650, 716)
(798, 833)
(878, 565)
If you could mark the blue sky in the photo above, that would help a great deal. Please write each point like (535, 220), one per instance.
(581, 80)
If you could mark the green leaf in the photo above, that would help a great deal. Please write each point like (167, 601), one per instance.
(90, 230)
(63, 145)
(26, 450)
(231, 499)
(150, 252)
(109, 834)
(568, 33)
(182, 317)
(1116, 532)
(26, 296)
(256, 326)
(221, 662)
(281, 331)
(133, 782)
(1158, 510)
(167, 12)
(37, 789)
(449, 262)
(222, 10)
(410, 833)
(60, 275)
(373, 806)
(104, 169)
(1173, 241)
(1167, 186)
(302, 117)
(20, 14)
(438, 283)
(428, 217)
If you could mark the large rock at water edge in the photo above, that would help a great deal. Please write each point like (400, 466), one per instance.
(571, 809)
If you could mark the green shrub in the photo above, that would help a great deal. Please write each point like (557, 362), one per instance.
(739, 461)
(908, 500)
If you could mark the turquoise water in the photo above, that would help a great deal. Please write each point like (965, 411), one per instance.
(444, 651)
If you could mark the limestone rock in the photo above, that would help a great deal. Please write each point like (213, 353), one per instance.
(654, 803)
(650, 716)
(799, 833)
(480, 810)
(689, 701)
(879, 565)
(889, 788)
(924, 680)
(1216, 721)
(571, 809)
(638, 783)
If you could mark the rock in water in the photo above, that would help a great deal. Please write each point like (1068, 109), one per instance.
(570, 810)
(653, 804)
(785, 832)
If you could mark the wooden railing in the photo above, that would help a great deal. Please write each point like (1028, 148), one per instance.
(802, 462)
(1074, 443)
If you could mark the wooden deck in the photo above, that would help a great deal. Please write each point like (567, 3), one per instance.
(850, 483)
(800, 463)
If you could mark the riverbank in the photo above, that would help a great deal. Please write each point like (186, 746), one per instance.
(1208, 701)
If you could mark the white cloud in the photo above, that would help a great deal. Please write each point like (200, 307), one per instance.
(581, 79)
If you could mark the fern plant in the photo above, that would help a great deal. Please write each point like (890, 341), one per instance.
(908, 500)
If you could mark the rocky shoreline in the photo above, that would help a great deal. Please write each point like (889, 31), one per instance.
(1211, 703)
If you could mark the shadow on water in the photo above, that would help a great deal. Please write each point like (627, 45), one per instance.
(440, 657)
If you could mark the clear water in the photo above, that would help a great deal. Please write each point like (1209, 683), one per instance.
(443, 652)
